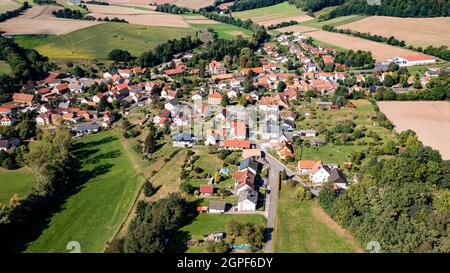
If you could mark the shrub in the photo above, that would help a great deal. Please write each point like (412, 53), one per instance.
(149, 189)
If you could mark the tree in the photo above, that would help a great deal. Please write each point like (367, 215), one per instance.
(233, 228)
(225, 101)
(281, 86)
(78, 71)
(149, 189)
(119, 55)
(186, 187)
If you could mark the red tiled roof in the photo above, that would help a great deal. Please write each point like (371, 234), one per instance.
(235, 143)
(206, 188)
(419, 57)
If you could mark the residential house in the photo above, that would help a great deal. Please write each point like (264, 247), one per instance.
(171, 105)
(215, 98)
(216, 206)
(206, 190)
(44, 118)
(247, 200)
(321, 174)
(337, 178)
(216, 68)
(6, 144)
(285, 150)
(7, 120)
(183, 139)
(244, 180)
(235, 144)
(22, 98)
(308, 166)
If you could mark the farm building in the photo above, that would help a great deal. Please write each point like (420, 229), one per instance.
(414, 60)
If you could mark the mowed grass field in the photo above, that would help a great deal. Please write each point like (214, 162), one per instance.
(273, 14)
(303, 227)
(97, 41)
(94, 213)
(225, 31)
(19, 181)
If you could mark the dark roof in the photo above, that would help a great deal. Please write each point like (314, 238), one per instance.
(250, 195)
(217, 205)
(185, 137)
(248, 163)
(336, 176)
(86, 127)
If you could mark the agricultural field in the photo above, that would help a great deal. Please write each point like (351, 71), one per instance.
(302, 226)
(110, 179)
(193, 4)
(415, 31)
(39, 20)
(19, 181)
(4, 68)
(380, 51)
(205, 224)
(84, 44)
(274, 14)
(137, 16)
(429, 119)
(225, 31)
(8, 5)
(199, 20)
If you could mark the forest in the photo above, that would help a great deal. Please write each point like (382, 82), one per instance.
(401, 201)
(315, 5)
(396, 8)
(26, 64)
(253, 4)
(168, 8)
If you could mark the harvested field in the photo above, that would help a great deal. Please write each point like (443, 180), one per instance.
(8, 5)
(299, 28)
(200, 20)
(429, 119)
(194, 4)
(141, 2)
(416, 31)
(381, 52)
(138, 16)
(274, 14)
(116, 10)
(39, 20)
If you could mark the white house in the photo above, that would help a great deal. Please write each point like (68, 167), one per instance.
(247, 200)
(321, 175)
(414, 60)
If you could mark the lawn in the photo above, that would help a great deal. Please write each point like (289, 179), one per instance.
(4, 68)
(329, 153)
(207, 223)
(301, 227)
(225, 31)
(279, 11)
(97, 41)
(15, 181)
(110, 180)
(33, 41)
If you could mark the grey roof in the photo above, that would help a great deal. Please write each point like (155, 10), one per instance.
(248, 163)
(86, 127)
(248, 194)
(336, 176)
(217, 205)
(185, 137)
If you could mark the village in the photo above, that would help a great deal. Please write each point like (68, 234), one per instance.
(252, 112)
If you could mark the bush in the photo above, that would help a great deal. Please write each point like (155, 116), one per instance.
(302, 194)
(198, 170)
(186, 187)
(223, 154)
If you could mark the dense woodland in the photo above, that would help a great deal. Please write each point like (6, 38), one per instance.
(401, 201)
(253, 4)
(315, 5)
(396, 8)
(168, 8)
(26, 64)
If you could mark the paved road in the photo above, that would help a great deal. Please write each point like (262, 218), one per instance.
(271, 200)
